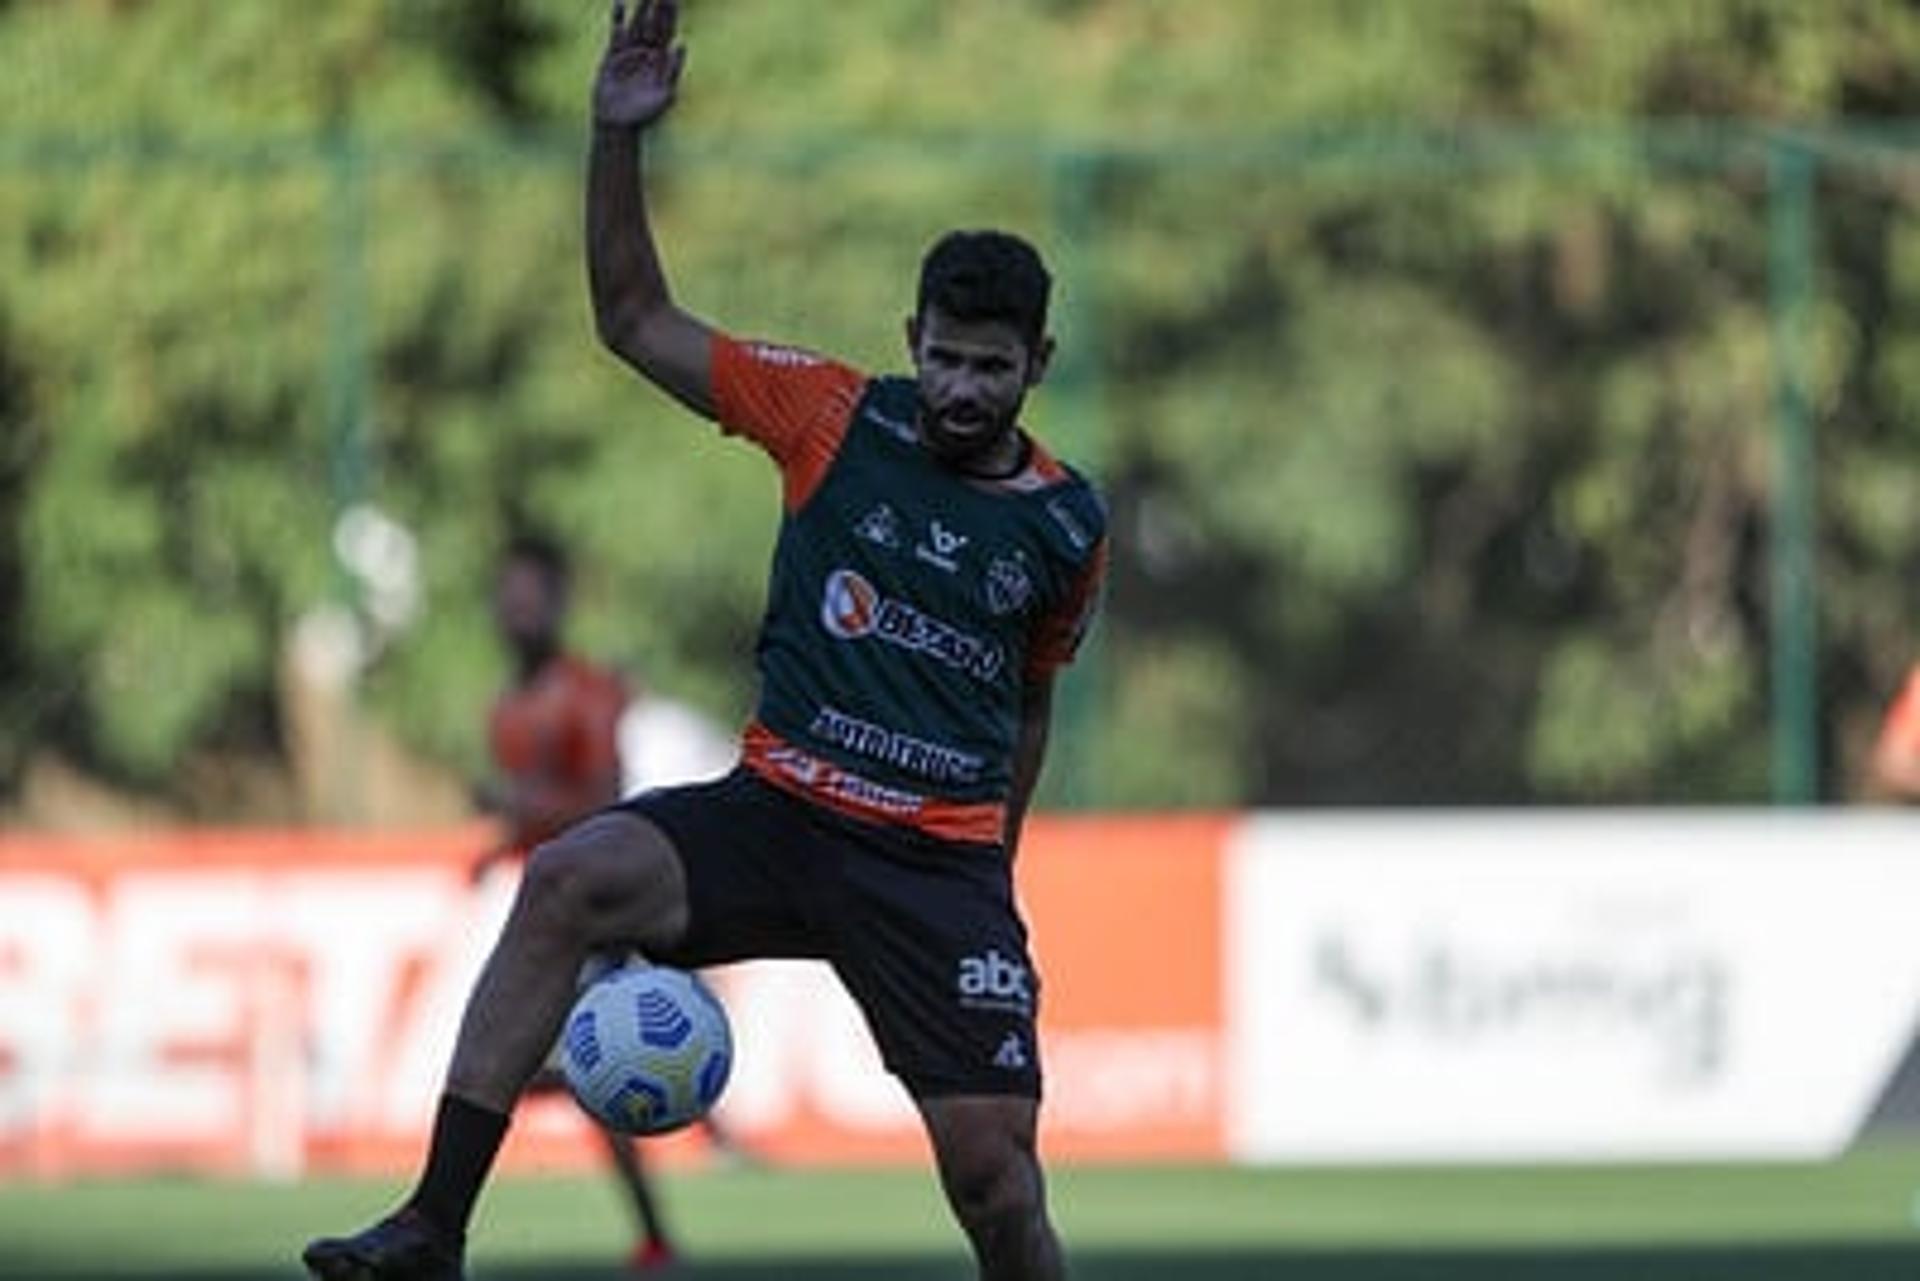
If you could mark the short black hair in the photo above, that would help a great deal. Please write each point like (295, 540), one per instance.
(543, 553)
(978, 276)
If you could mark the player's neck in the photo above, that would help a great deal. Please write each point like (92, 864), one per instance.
(1003, 460)
(532, 659)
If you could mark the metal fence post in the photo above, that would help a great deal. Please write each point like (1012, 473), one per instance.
(1080, 707)
(345, 396)
(346, 358)
(1791, 174)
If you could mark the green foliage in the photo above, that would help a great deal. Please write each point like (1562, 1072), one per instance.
(1440, 462)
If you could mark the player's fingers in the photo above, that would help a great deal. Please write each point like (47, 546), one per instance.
(662, 17)
(631, 23)
(678, 64)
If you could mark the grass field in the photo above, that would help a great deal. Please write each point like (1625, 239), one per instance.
(1850, 1220)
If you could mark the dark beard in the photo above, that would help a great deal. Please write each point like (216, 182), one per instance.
(963, 454)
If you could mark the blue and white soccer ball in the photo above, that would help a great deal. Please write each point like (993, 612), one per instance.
(647, 1049)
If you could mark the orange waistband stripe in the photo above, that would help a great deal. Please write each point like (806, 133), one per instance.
(803, 774)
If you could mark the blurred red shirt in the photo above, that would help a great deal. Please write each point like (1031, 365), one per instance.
(555, 742)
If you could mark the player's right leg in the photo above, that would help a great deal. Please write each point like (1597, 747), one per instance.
(984, 1148)
(652, 1248)
(614, 878)
(932, 948)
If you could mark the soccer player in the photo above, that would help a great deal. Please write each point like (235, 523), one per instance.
(1896, 754)
(934, 569)
(552, 733)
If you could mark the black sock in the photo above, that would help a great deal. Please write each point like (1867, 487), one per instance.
(465, 1138)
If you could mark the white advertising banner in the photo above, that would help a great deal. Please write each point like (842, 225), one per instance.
(1565, 986)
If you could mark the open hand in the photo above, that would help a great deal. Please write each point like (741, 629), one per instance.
(640, 71)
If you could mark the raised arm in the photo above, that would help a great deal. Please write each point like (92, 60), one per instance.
(633, 307)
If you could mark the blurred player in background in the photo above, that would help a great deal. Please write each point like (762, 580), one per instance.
(935, 569)
(553, 734)
(553, 731)
(1896, 754)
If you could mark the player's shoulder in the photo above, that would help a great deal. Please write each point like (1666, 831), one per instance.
(758, 382)
(891, 407)
(1904, 710)
(1071, 504)
(508, 702)
(780, 355)
(760, 359)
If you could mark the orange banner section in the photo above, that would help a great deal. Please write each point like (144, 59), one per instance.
(1125, 916)
(281, 1001)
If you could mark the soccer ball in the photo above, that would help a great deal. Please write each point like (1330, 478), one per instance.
(647, 1049)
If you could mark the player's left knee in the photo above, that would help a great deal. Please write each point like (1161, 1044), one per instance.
(557, 887)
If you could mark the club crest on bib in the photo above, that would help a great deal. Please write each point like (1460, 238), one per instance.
(1008, 587)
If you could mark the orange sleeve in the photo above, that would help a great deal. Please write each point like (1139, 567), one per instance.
(1900, 732)
(1057, 634)
(792, 403)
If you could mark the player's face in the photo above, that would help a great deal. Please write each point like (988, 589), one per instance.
(973, 377)
(527, 606)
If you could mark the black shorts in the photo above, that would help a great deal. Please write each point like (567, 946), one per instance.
(923, 932)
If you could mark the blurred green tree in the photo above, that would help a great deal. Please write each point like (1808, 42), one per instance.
(1439, 460)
